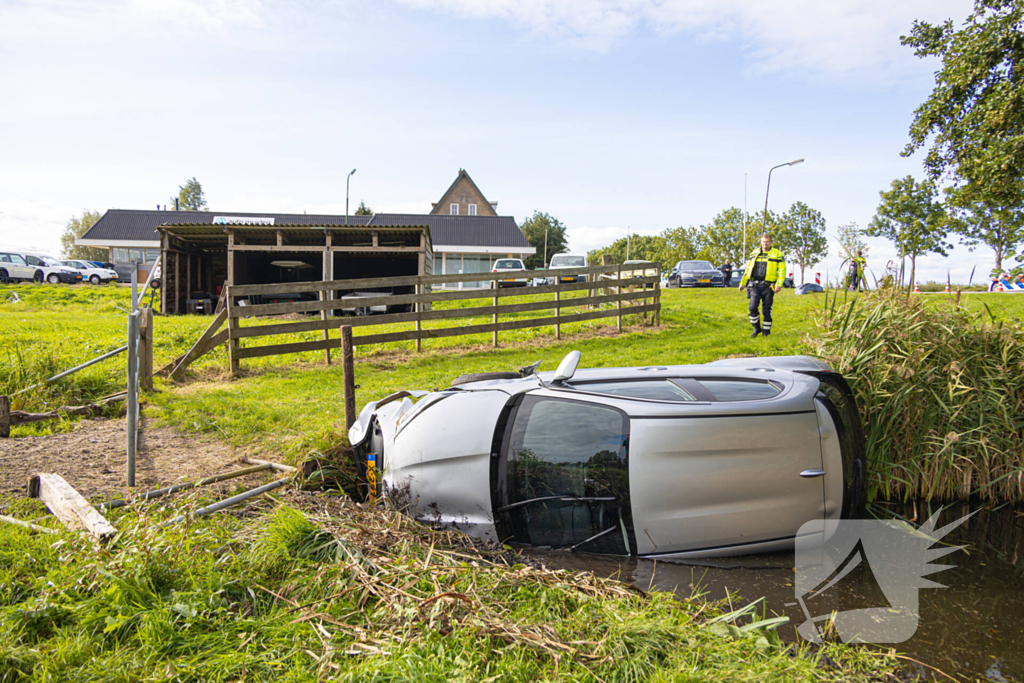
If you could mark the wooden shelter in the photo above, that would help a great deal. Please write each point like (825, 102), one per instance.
(200, 258)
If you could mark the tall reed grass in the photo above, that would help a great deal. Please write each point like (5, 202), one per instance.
(940, 390)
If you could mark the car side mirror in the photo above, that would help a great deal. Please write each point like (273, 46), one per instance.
(567, 368)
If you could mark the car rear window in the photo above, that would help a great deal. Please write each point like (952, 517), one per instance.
(568, 261)
(508, 263)
(739, 390)
(654, 390)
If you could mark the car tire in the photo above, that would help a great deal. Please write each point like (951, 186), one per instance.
(4, 278)
(38, 277)
(483, 377)
(154, 284)
(53, 279)
(94, 279)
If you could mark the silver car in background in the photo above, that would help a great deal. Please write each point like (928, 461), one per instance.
(727, 458)
(695, 274)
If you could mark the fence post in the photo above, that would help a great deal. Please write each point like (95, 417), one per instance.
(327, 336)
(5, 417)
(494, 316)
(133, 396)
(419, 323)
(558, 314)
(347, 363)
(146, 349)
(233, 346)
(618, 297)
(657, 295)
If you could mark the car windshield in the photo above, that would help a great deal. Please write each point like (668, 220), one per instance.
(50, 261)
(694, 265)
(508, 263)
(74, 264)
(565, 260)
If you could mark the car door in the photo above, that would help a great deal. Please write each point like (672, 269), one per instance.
(701, 481)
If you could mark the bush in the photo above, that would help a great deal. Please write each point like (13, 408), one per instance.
(940, 390)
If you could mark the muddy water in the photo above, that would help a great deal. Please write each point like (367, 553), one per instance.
(971, 630)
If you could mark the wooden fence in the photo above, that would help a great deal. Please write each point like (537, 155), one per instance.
(609, 293)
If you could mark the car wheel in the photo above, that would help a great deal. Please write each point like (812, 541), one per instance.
(4, 279)
(483, 376)
(155, 284)
(53, 279)
(95, 279)
(38, 277)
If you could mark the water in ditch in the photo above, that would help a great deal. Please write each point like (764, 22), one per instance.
(972, 630)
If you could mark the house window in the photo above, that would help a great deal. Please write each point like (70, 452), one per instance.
(454, 209)
(120, 255)
(472, 209)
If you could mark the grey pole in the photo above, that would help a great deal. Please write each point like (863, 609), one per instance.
(764, 224)
(133, 378)
(349, 177)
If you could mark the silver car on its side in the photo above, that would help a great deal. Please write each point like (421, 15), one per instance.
(727, 458)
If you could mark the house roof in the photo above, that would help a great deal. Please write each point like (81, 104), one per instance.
(118, 225)
(462, 174)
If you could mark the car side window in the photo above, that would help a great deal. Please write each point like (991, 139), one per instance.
(16, 259)
(566, 474)
(740, 390)
(33, 261)
(654, 390)
(5, 258)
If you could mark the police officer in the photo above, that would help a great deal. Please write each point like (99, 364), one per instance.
(763, 278)
(857, 266)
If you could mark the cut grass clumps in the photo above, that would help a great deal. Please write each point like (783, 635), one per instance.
(320, 588)
(941, 393)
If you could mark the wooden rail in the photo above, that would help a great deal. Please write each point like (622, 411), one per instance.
(607, 293)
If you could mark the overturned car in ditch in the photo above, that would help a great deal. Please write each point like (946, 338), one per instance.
(726, 458)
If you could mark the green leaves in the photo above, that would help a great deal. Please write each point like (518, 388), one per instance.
(542, 229)
(911, 218)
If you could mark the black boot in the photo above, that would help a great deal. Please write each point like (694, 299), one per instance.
(766, 332)
(757, 332)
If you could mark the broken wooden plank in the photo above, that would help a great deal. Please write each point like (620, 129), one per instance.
(5, 417)
(20, 417)
(202, 346)
(68, 505)
(26, 525)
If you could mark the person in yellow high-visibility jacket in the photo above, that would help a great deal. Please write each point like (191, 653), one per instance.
(763, 278)
(857, 266)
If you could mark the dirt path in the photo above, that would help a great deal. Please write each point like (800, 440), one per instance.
(92, 459)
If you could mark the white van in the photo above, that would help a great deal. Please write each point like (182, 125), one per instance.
(23, 265)
(90, 271)
(575, 261)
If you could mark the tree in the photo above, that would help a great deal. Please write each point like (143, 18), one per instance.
(802, 236)
(77, 227)
(191, 197)
(633, 247)
(974, 118)
(680, 244)
(364, 210)
(851, 239)
(981, 223)
(723, 237)
(536, 229)
(910, 218)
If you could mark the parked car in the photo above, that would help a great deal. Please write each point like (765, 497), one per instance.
(14, 268)
(90, 271)
(508, 265)
(726, 458)
(809, 288)
(48, 269)
(695, 274)
(559, 261)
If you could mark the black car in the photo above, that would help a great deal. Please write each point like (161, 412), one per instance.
(695, 274)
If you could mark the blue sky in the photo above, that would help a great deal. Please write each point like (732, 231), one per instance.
(612, 115)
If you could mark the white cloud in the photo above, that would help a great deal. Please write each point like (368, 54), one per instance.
(837, 36)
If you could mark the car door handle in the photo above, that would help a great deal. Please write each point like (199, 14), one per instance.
(813, 472)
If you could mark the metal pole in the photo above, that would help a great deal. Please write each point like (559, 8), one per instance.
(187, 485)
(133, 379)
(347, 178)
(234, 500)
(62, 375)
(744, 255)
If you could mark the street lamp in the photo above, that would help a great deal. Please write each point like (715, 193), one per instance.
(354, 170)
(764, 226)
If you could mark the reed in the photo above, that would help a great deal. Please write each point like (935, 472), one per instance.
(940, 390)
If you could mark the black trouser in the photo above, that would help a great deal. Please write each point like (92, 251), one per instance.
(763, 295)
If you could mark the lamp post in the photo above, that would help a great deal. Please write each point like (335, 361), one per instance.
(346, 194)
(764, 225)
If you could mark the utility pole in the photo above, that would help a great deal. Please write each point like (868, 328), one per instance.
(744, 216)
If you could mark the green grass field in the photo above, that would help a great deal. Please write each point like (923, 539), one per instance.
(318, 587)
